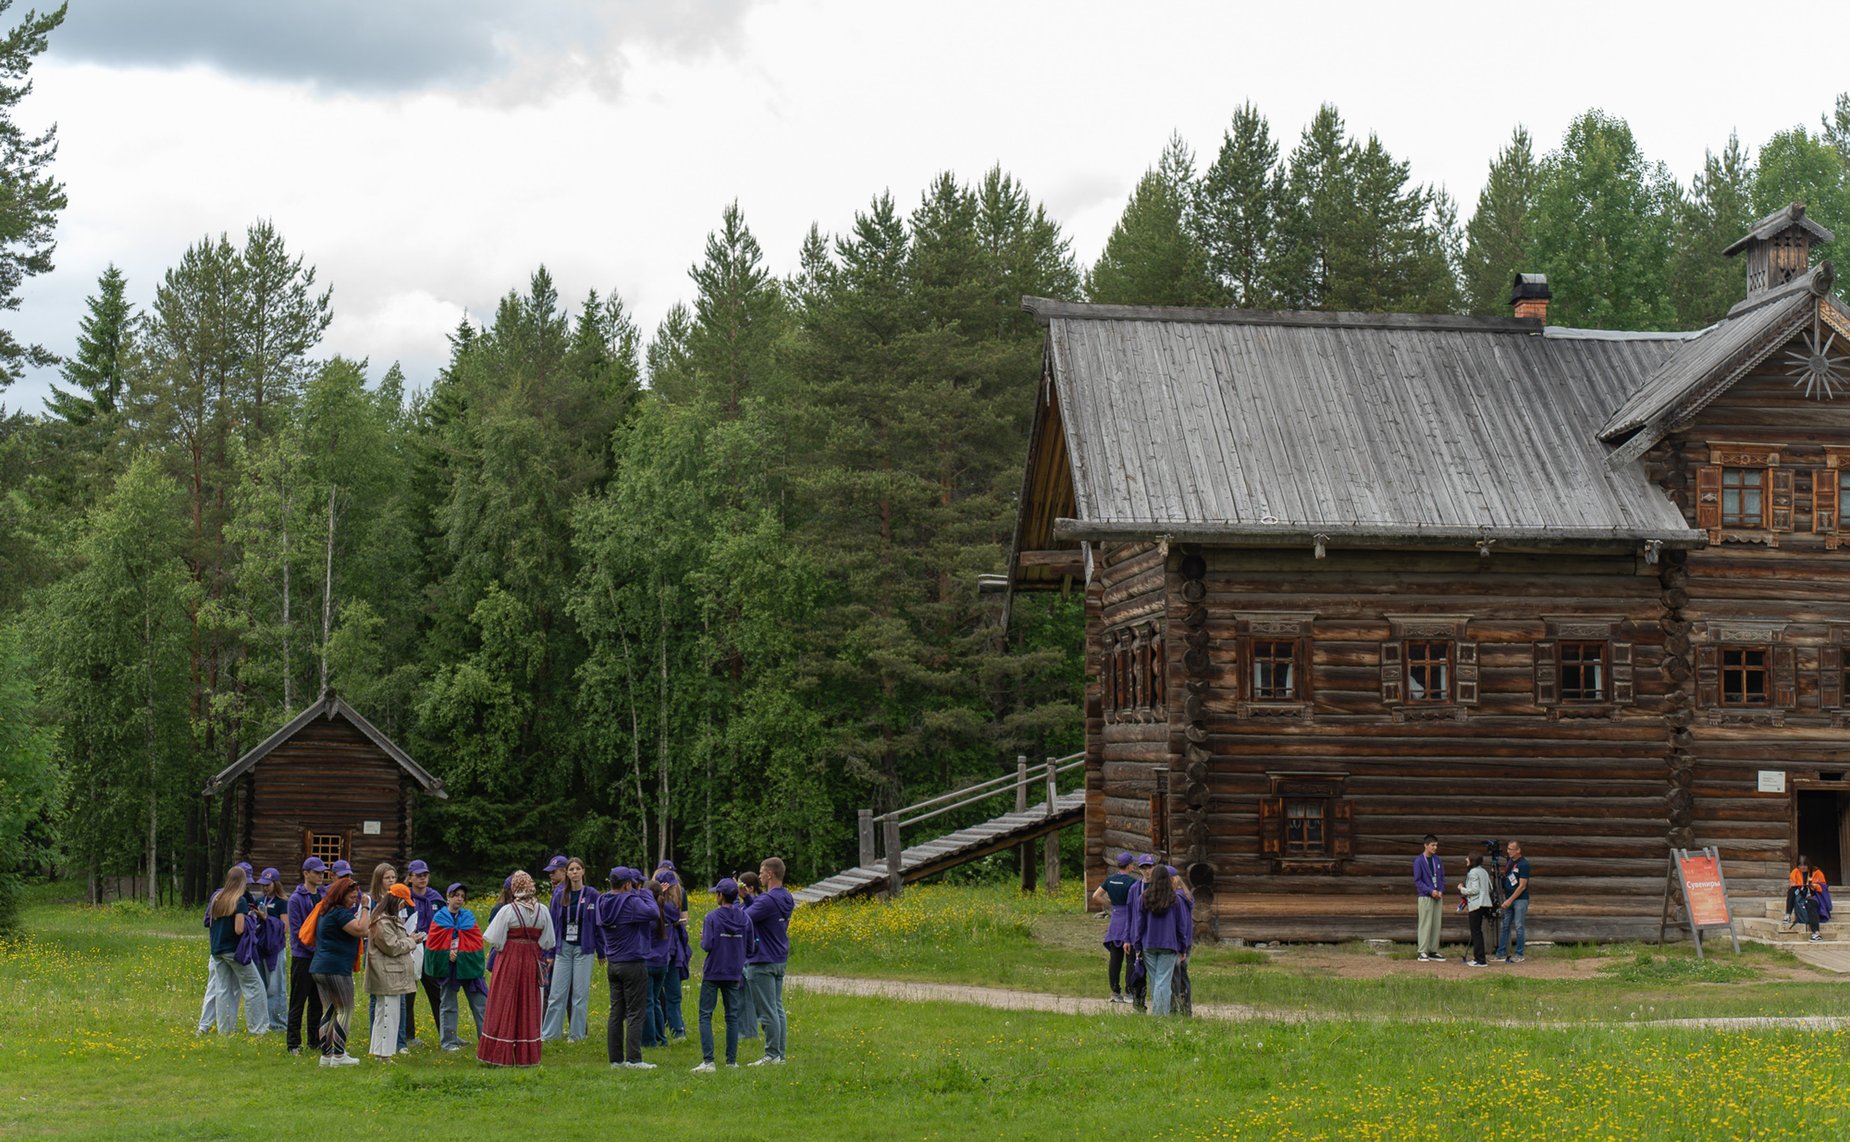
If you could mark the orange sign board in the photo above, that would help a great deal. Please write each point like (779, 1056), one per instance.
(1702, 890)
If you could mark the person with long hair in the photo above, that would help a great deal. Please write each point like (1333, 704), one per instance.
(1162, 933)
(574, 921)
(520, 931)
(272, 941)
(338, 932)
(385, 875)
(232, 918)
(1479, 903)
(660, 965)
(626, 920)
(391, 971)
(1805, 889)
(749, 888)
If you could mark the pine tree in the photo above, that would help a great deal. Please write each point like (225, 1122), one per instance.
(103, 345)
(1236, 209)
(1602, 228)
(29, 209)
(1717, 210)
(1152, 256)
(1497, 242)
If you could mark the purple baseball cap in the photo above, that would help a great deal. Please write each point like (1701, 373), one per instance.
(314, 864)
(1171, 870)
(455, 888)
(556, 863)
(667, 864)
(342, 868)
(1124, 860)
(249, 870)
(666, 876)
(417, 868)
(1145, 860)
(727, 887)
(269, 876)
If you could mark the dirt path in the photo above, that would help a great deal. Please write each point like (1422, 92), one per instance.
(911, 991)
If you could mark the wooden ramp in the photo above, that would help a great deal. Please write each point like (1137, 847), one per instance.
(931, 857)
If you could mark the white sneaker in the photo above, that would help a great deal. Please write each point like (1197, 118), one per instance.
(642, 1066)
(705, 1069)
(763, 1061)
(344, 1061)
(326, 1061)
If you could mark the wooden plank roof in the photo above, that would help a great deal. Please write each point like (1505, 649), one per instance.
(1240, 426)
(329, 705)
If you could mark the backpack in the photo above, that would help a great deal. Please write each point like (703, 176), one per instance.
(306, 936)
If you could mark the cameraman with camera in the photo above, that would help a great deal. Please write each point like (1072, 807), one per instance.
(1515, 884)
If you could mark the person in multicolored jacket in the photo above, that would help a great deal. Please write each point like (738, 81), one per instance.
(454, 955)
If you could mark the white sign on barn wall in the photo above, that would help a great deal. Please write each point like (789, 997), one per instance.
(1772, 781)
(371, 828)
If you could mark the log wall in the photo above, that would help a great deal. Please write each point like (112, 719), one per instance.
(327, 778)
(1125, 745)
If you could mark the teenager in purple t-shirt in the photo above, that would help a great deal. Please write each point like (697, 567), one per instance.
(726, 938)
(764, 966)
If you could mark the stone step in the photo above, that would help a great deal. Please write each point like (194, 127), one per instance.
(1766, 930)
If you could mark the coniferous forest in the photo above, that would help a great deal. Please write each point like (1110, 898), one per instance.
(701, 590)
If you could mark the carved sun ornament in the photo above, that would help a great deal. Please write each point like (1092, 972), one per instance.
(1814, 366)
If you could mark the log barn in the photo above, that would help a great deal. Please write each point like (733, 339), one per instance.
(328, 784)
(1353, 578)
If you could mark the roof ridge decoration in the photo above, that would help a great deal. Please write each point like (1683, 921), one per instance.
(329, 705)
(1047, 309)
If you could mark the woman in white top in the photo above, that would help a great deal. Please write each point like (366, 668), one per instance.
(520, 931)
(1479, 903)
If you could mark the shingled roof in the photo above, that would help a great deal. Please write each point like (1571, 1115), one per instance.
(1258, 428)
(329, 705)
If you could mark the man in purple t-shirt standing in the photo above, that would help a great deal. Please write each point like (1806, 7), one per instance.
(1429, 885)
(764, 966)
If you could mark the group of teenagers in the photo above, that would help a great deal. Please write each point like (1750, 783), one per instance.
(1152, 929)
(526, 978)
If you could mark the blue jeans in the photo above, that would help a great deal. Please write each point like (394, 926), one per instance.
(671, 1004)
(449, 1018)
(710, 992)
(569, 995)
(235, 979)
(654, 1017)
(1160, 965)
(1513, 936)
(208, 1010)
(766, 983)
(273, 988)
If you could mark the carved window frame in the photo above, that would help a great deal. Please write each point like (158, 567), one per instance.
(1781, 669)
(1776, 492)
(1830, 490)
(1462, 673)
(1833, 694)
(1131, 673)
(1326, 789)
(1256, 627)
(1621, 670)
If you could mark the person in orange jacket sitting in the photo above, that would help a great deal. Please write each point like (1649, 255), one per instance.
(1804, 893)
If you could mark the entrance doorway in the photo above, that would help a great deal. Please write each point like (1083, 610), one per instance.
(1820, 833)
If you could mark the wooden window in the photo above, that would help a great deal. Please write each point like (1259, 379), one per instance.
(1746, 676)
(1583, 672)
(1744, 499)
(1274, 670)
(330, 847)
(1429, 670)
(1306, 826)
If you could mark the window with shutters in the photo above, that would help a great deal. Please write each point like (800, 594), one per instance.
(1583, 668)
(1274, 664)
(1428, 668)
(1307, 825)
(1746, 673)
(1834, 674)
(1830, 490)
(1744, 494)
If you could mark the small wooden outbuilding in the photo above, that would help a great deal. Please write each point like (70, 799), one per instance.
(328, 784)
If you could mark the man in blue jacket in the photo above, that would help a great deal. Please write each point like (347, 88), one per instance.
(1429, 887)
(301, 985)
(764, 967)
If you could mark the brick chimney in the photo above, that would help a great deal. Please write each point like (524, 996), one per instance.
(1529, 296)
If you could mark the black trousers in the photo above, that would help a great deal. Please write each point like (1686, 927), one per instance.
(629, 988)
(1478, 918)
(1800, 903)
(302, 994)
(433, 991)
(1116, 970)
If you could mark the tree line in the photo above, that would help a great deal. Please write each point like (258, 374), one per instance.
(701, 591)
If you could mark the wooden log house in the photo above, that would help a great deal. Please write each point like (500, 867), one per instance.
(328, 784)
(1352, 578)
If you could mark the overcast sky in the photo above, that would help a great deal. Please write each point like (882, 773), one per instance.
(426, 155)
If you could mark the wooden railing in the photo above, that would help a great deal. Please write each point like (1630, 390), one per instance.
(886, 827)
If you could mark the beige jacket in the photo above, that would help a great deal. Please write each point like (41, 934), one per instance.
(391, 959)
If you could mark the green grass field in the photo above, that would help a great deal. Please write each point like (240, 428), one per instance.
(97, 1008)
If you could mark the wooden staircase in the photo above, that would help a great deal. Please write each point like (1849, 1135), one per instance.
(895, 866)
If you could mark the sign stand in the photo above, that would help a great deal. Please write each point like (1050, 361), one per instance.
(1695, 890)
